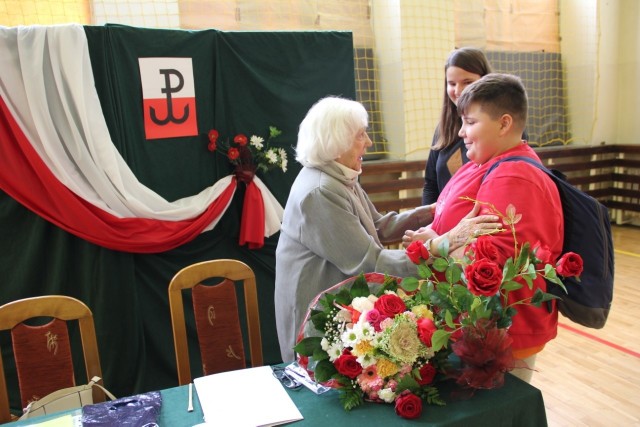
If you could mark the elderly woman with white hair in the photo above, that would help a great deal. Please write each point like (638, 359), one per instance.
(331, 231)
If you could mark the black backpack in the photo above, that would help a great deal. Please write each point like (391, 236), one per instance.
(587, 232)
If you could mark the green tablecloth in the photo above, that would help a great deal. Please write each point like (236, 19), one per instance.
(516, 404)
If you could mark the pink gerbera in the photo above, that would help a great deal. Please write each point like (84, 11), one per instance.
(369, 379)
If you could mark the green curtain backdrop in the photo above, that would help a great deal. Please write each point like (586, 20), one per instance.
(245, 82)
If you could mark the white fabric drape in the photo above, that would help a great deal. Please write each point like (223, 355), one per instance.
(48, 84)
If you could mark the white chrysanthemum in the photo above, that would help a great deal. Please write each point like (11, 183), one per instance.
(282, 153)
(349, 338)
(368, 331)
(271, 156)
(367, 360)
(362, 304)
(387, 395)
(352, 336)
(257, 141)
(377, 340)
(334, 351)
(324, 344)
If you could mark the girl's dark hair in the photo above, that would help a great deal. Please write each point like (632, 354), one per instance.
(473, 61)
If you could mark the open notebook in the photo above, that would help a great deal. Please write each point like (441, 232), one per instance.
(247, 397)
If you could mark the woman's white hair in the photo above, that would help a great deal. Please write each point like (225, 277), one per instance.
(329, 130)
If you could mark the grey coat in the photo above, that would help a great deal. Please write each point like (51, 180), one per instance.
(324, 240)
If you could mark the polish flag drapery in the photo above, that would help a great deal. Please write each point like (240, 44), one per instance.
(58, 160)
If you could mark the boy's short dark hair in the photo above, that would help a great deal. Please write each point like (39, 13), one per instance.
(497, 94)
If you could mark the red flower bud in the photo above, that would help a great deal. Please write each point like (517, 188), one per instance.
(213, 136)
(417, 252)
(427, 373)
(233, 153)
(241, 140)
(570, 265)
(483, 248)
(543, 253)
(426, 328)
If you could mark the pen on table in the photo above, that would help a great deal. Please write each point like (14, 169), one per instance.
(190, 407)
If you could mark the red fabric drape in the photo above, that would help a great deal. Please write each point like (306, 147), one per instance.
(25, 177)
(252, 222)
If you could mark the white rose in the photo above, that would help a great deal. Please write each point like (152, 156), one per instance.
(387, 395)
(362, 304)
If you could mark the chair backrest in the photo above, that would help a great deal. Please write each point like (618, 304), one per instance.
(42, 354)
(217, 318)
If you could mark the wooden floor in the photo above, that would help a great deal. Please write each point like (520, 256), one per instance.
(591, 377)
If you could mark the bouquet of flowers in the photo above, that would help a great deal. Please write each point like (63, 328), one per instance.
(385, 339)
(261, 211)
(250, 154)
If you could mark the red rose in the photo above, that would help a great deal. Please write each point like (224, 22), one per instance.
(483, 277)
(426, 328)
(212, 146)
(240, 139)
(417, 252)
(409, 406)
(233, 153)
(427, 373)
(389, 305)
(543, 253)
(213, 136)
(483, 248)
(570, 265)
(348, 365)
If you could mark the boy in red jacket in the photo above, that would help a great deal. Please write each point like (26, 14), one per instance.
(494, 113)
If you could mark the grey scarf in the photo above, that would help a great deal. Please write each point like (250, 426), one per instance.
(356, 193)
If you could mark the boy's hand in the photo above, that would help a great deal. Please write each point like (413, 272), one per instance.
(423, 233)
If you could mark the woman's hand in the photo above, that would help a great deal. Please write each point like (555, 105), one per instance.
(467, 230)
(470, 227)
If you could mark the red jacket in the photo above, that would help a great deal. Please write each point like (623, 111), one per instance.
(536, 197)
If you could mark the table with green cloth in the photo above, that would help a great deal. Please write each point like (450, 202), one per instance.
(515, 404)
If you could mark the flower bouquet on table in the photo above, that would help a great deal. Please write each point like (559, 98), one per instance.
(388, 339)
(249, 155)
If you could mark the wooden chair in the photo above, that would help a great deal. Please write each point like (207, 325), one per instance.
(216, 313)
(42, 354)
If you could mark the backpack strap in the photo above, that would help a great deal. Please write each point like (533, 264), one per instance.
(553, 173)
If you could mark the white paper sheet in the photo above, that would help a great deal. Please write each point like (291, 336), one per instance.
(245, 398)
